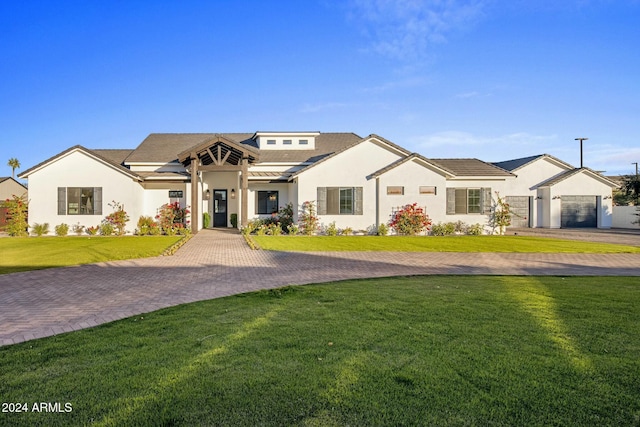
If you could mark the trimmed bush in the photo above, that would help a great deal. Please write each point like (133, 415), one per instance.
(61, 229)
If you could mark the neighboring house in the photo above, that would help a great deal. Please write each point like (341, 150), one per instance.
(9, 187)
(356, 182)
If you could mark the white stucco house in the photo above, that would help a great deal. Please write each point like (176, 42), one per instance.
(356, 182)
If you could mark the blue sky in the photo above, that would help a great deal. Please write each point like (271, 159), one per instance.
(490, 79)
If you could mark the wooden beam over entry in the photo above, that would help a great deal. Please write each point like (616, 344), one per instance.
(245, 190)
(195, 211)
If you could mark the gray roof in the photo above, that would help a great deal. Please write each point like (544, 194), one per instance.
(108, 156)
(115, 156)
(406, 159)
(561, 177)
(470, 167)
(512, 165)
(165, 147)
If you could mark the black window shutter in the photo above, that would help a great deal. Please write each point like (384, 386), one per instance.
(97, 201)
(451, 201)
(62, 200)
(357, 204)
(485, 201)
(322, 200)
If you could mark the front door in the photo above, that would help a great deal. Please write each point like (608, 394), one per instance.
(219, 208)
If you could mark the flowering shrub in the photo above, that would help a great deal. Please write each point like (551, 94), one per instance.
(147, 226)
(501, 215)
(171, 214)
(410, 220)
(16, 216)
(118, 218)
(92, 231)
(308, 220)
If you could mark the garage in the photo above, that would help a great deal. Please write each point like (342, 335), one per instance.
(520, 210)
(579, 211)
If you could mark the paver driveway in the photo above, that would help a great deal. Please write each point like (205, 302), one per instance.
(218, 263)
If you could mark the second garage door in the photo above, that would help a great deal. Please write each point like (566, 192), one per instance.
(579, 211)
(519, 207)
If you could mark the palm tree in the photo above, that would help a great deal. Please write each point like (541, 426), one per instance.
(13, 164)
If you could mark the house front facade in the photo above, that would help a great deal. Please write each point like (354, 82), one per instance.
(355, 182)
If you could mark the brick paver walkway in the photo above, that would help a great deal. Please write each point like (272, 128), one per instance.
(218, 263)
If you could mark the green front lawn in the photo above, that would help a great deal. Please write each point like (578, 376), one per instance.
(33, 253)
(436, 244)
(470, 350)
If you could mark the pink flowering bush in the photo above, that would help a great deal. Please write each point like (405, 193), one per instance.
(410, 220)
(172, 218)
(118, 218)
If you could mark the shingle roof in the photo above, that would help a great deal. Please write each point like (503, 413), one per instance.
(165, 147)
(561, 177)
(406, 159)
(471, 167)
(98, 154)
(115, 156)
(512, 165)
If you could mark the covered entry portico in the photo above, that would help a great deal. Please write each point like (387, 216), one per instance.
(223, 166)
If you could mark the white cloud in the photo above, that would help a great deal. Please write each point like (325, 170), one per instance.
(314, 108)
(459, 138)
(404, 29)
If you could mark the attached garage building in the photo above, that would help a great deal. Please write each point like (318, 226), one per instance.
(550, 193)
(575, 199)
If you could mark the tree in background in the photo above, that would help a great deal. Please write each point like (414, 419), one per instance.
(14, 164)
(629, 191)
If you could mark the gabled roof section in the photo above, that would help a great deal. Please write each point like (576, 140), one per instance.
(568, 174)
(98, 155)
(165, 147)
(390, 145)
(471, 168)
(233, 151)
(413, 156)
(515, 164)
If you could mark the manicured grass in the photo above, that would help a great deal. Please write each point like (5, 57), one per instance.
(469, 350)
(34, 253)
(436, 244)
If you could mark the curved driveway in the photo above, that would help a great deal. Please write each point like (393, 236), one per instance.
(218, 263)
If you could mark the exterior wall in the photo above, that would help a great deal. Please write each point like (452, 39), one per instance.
(498, 185)
(526, 183)
(283, 196)
(156, 194)
(79, 170)
(9, 188)
(348, 169)
(411, 176)
(221, 181)
(625, 216)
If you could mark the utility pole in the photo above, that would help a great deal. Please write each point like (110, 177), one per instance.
(636, 163)
(581, 139)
